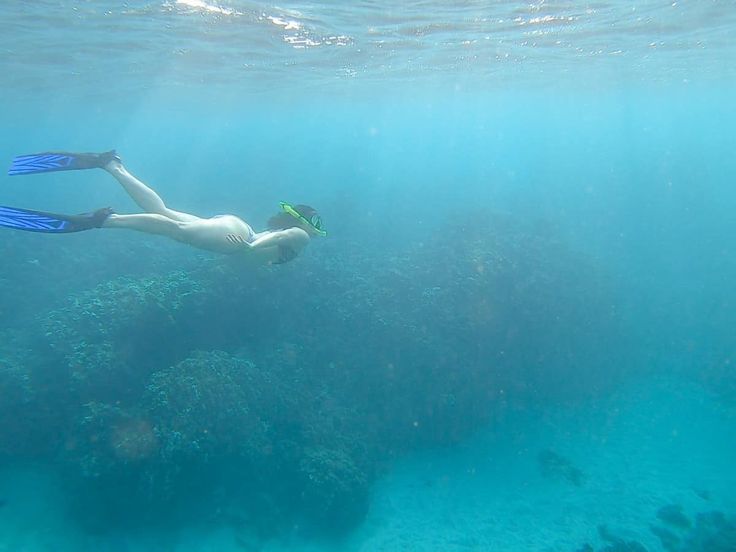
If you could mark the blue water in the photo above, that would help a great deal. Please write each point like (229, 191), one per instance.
(517, 335)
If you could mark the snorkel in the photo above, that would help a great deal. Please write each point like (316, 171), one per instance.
(314, 223)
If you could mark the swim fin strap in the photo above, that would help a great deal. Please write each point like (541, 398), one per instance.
(51, 223)
(52, 161)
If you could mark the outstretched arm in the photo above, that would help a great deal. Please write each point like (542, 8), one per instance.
(293, 237)
(279, 247)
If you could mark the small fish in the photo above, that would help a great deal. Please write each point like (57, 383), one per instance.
(3, 502)
(702, 493)
(552, 464)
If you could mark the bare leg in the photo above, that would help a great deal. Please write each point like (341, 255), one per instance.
(213, 234)
(145, 197)
(151, 223)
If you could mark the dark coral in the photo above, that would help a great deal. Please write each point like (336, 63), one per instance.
(109, 339)
(334, 489)
(231, 427)
(209, 406)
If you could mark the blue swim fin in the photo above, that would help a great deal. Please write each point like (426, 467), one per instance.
(51, 161)
(51, 223)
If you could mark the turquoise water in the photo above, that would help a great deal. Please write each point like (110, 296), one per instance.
(517, 335)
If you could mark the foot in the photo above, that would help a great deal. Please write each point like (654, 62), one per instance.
(99, 217)
(110, 161)
(87, 221)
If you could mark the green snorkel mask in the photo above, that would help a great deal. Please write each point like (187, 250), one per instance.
(314, 222)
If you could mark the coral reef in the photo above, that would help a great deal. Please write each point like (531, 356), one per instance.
(334, 489)
(278, 397)
(110, 338)
(210, 405)
(218, 418)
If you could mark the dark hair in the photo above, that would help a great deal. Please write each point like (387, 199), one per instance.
(283, 220)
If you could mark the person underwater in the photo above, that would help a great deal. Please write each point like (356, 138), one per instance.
(288, 232)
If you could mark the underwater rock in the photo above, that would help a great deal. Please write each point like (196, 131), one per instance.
(673, 516)
(553, 465)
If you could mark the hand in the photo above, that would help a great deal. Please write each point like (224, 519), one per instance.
(235, 238)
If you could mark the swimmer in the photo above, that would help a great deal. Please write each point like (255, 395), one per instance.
(288, 232)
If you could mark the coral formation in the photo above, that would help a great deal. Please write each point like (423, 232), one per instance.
(279, 397)
(107, 338)
(334, 489)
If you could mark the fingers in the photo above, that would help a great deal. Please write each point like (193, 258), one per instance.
(234, 238)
